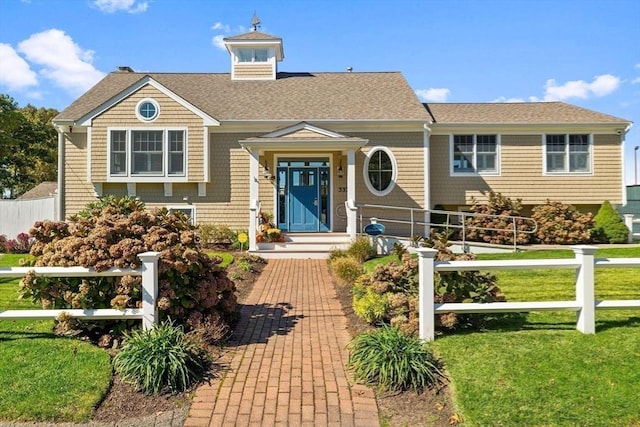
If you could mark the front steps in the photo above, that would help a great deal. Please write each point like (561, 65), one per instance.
(304, 246)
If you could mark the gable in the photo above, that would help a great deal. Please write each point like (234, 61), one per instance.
(147, 83)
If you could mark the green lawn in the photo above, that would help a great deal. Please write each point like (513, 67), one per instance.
(43, 377)
(545, 372)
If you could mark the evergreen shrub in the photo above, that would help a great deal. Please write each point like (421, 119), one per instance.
(609, 227)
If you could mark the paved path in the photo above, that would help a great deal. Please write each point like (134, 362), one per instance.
(288, 365)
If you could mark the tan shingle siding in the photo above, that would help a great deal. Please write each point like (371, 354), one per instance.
(78, 192)
(172, 115)
(522, 175)
(252, 71)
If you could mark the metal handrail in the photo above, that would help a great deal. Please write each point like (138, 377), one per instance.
(463, 217)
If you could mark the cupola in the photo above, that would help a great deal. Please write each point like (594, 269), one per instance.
(254, 55)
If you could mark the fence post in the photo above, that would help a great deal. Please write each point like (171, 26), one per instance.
(149, 288)
(427, 315)
(628, 221)
(585, 288)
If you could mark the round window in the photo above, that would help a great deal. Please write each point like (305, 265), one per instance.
(147, 110)
(380, 171)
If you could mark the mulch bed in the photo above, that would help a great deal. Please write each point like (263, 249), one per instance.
(433, 408)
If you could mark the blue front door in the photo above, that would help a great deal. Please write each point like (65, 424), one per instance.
(303, 199)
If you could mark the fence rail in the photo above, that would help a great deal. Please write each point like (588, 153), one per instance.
(148, 313)
(584, 304)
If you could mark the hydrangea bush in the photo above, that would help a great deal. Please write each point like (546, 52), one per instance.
(193, 289)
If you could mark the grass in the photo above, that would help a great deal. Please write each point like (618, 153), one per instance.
(44, 377)
(545, 372)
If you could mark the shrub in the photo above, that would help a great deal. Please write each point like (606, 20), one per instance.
(215, 235)
(161, 359)
(370, 306)
(398, 283)
(192, 287)
(393, 361)
(346, 269)
(497, 229)
(361, 249)
(562, 224)
(20, 245)
(609, 227)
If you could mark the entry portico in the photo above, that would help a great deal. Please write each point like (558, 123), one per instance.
(301, 167)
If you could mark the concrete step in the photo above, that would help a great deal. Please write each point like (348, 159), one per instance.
(304, 246)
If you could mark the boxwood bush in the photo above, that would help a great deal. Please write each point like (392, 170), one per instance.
(609, 227)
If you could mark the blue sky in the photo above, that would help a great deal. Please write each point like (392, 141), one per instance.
(584, 52)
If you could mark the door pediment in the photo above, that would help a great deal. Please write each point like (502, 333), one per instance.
(303, 136)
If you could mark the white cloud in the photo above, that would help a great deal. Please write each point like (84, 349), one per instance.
(218, 42)
(112, 6)
(62, 60)
(635, 81)
(221, 26)
(226, 30)
(433, 94)
(15, 72)
(508, 100)
(600, 86)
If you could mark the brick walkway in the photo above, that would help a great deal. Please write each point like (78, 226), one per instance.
(288, 365)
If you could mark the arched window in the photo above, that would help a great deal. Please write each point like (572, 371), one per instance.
(380, 171)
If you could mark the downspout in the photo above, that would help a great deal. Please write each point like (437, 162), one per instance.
(60, 211)
(427, 178)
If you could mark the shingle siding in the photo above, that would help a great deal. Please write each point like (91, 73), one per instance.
(522, 175)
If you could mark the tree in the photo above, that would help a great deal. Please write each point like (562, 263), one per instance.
(28, 146)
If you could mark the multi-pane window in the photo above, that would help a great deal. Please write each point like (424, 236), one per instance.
(176, 152)
(568, 153)
(147, 152)
(379, 168)
(118, 152)
(475, 154)
(253, 55)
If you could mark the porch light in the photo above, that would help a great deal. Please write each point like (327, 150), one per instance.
(266, 172)
(340, 171)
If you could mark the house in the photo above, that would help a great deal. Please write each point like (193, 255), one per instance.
(312, 147)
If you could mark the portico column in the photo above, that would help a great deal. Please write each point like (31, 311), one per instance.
(351, 194)
(254, 203)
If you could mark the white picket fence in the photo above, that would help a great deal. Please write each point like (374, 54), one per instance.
(148, 314)
(585, 303)
(17, 216)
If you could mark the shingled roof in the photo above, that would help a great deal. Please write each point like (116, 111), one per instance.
(253, 35)
(517, 113)
(384, 96)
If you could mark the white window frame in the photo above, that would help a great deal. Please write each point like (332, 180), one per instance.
(394, 172)
(253, 55)
(192, 208)
(454, 172)
(143, 118)
(129, 176)
(566, 171)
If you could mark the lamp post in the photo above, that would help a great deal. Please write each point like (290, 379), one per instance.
(635, 163)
